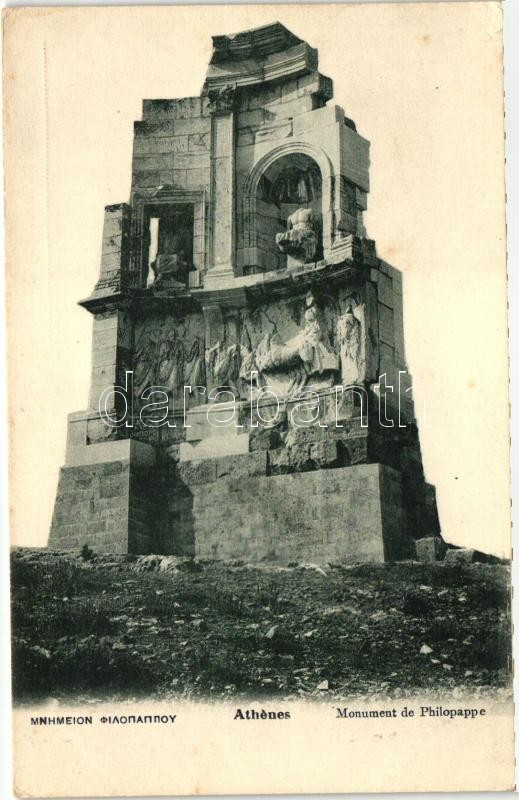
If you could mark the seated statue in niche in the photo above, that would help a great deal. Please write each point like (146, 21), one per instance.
(175, 243)
(301, 238)
(167, 269)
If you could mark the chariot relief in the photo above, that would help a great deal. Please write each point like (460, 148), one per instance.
(287, 345)
(307, 353)
(171, 245)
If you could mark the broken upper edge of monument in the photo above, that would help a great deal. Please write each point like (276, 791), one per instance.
(253, 43)
(258, 55)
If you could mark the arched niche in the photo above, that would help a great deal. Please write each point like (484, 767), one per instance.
(288, 178)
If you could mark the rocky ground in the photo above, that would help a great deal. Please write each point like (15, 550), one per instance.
(121, 627)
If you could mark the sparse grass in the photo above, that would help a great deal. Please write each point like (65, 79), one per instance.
(80, 627)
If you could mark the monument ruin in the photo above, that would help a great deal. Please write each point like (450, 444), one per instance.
(249, 390)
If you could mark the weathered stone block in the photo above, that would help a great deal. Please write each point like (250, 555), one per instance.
(146, 179)
(152, 129)
(324, 454)
(287, 517)
(280, 461)
(466, 555)
(115, 246)
(303, 457)
(242, 465)
(187, 125)
(199, 142)
(262, 438)
(386, 325)
(195, 472)
(260, 98)
(430, 548)
(251, 119)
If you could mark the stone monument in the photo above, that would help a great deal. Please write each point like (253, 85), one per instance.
(249, 391)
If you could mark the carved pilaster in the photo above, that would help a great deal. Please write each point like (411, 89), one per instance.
(222, 229)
